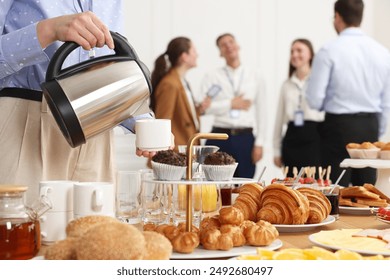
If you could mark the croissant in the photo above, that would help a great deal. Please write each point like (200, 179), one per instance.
(283, 205)
(213, 239)
(231, 215)
(319, 205)
(185, 242)
(254, 190)
(248, 200)
(261, 233)
(236, 234)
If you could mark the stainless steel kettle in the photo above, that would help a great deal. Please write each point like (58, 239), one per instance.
(96, 95)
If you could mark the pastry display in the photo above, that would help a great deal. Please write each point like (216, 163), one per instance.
(261, 233)
(319, 205)
(365, 150)
(228, 236)
(236, 234)
(283, 205)
(363, 196)
(219, 166)
(247, 203)
(213, 239)
(181, 240)
(384, 153)
(169, 165)
(231, 215)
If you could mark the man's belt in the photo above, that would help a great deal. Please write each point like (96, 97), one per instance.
(232, 131)
(22, 93)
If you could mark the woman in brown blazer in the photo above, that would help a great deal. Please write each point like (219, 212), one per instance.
(172, 97)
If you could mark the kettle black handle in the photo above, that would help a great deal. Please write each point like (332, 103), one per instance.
(122, 48)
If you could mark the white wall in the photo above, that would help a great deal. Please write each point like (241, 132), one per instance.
(263, 28)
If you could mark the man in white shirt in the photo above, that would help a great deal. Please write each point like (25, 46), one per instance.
(350, 81)
(237, 96)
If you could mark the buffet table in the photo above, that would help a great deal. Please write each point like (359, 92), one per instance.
(301, 240)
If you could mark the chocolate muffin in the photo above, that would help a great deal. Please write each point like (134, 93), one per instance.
(169, 165)
(170, 157)
(219, 158)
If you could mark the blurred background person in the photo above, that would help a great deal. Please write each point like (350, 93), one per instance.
(296, 138)
(237, 96)
(172, 97)
(350, 81)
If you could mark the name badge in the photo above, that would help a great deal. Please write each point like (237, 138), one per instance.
(234, 114)
(299, 118)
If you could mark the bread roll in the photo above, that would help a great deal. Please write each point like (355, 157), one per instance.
(78, 227)
(111, 241)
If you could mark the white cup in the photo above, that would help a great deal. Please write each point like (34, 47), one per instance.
(93, 198)
(153, 134)
(54, 222)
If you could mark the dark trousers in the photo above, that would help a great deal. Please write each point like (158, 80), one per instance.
(240, 147)
(339, 130)
(301, 146)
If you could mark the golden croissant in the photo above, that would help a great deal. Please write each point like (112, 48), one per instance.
(318, 203)
(283, 205)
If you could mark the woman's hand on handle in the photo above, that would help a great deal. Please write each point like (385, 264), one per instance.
(85, 29)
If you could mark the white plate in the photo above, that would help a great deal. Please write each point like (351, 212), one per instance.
(200, 253)
(357, 210)
(335, 247)
(305, 227)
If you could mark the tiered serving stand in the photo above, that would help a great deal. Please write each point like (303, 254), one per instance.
(189, 182)
(383, 171)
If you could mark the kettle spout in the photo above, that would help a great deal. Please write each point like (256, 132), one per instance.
(143, 109)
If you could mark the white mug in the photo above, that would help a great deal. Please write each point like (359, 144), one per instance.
(93, 198)
(153, 134)
(54, 222)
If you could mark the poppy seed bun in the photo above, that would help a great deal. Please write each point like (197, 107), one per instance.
(62, 250)
(111, 241)
(157, 246)
(78, 227)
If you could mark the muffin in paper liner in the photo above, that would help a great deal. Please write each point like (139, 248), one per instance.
(384, 154)
(355, 153)
(168, 172)
(370, 153)
(219, 172)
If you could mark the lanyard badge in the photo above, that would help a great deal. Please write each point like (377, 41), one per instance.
(299, 116)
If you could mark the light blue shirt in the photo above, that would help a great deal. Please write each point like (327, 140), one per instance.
(351, 74)
(23, 62)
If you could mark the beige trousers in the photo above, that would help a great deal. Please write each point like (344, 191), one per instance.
(32, 148)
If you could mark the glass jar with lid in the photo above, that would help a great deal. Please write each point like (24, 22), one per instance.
(20, 236)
